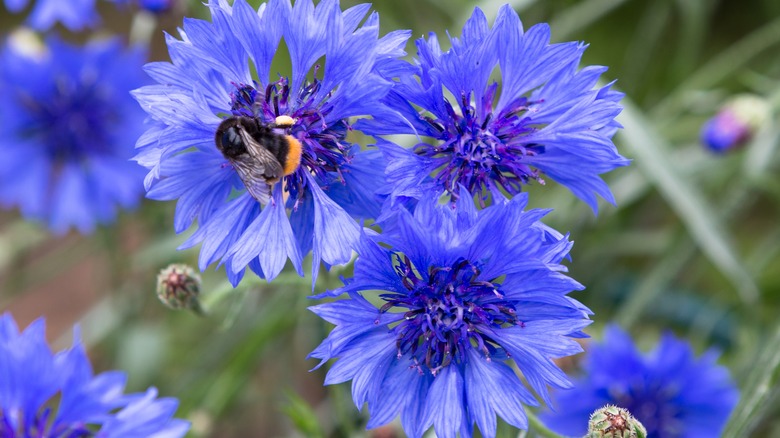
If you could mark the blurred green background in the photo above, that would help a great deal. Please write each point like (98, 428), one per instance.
(692, 245)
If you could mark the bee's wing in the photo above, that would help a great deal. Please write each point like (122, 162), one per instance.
(251, 173)
(258, 169)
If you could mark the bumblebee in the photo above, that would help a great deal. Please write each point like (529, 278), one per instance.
(261, 153)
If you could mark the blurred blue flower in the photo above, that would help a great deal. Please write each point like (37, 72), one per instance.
(465, 294)
(548, 118)
(671, 392)
(724, 132)
(221, 69)
(57, 395)
(735, 123)
(69, 124)
(73, 14)
(156, 6)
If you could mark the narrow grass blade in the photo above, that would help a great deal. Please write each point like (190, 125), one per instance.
(757, 389)
(649, 148)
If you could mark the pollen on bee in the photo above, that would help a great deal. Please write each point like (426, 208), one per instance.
(284, 121)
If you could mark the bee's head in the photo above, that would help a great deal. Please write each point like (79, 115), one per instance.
(229, 138)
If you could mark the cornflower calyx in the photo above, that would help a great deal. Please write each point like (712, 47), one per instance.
(178, 287)
(614, 422)
(482, 150)
(449, 313)
(324, 149)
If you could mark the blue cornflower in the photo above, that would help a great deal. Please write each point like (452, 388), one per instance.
(57, 395)
(671, 392)
(547, 118)
(67, 132)
(222, 69)
(464, 295)
(73, 14)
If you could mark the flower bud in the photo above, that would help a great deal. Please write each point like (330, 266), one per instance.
(614, 422)
(735, 124)
(178, 287)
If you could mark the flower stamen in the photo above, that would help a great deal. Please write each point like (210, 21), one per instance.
(448, 313)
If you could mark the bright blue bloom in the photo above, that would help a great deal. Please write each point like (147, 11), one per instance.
(67, 132)
(223, 68)
(671, 392)
(73, 14)
(57, 395)
(465, 293)
(548, 118)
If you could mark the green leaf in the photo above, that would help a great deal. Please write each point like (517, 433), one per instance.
(302, 416)
(757, 390)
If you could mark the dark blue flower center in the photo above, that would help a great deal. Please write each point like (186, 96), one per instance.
(324, 149)
(653, 404)
(40, 426)
(482, 150)
(448, 313)
(74, 122)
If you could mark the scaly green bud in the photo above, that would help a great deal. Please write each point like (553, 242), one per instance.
(178, 287)
(614, 422)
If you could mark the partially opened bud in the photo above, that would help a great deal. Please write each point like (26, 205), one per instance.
(153, 6)
(614, 422)
(178, 287)
(735, 124)
(156, 6)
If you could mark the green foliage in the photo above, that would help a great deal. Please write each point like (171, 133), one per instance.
(303, 417)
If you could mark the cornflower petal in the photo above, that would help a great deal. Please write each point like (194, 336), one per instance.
(268, 232)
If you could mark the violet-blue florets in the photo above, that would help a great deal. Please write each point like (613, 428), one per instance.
(480, 150)
(447, 314)
(73, 123)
